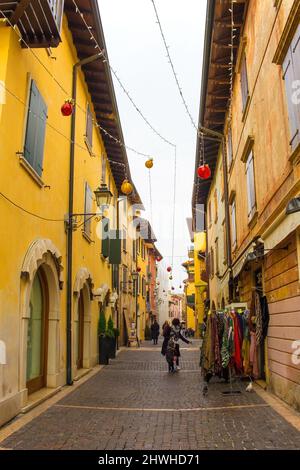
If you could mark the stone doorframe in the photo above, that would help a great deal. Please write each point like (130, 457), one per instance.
(42, 254)
(84, 283)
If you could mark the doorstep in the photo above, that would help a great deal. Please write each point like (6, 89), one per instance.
(36, 398)
(262, 384)
(81, 373)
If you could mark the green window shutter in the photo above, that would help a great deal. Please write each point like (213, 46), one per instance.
(115, 247)
(35, 129)
(105, 237)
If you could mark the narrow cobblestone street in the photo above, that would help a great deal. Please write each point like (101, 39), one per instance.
(135, 404)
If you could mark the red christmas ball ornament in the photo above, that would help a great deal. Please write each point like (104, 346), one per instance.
(67, 108)
(159, 258)
(138, 269)
(169, 269)
(204, 172)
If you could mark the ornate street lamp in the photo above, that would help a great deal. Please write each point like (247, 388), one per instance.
(103, 195)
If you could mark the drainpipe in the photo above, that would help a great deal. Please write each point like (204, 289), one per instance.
(221, 138)
(70, 219)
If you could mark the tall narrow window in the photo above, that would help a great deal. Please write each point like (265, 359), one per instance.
(229, 147)
(291, 76)
(88, 206)
(217, 255)
(89, 128)
(125, 279)
(209, 213)
(244, 83)
(216, 204)
(212, 263)
(35, 129)
(250, 185)
(233, 225)
(103, 175)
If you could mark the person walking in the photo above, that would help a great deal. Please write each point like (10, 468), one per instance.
(154, 331)
(170, 347)
(166, 330)
(176, 335)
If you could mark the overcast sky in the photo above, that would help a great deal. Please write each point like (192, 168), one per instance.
(137, 54)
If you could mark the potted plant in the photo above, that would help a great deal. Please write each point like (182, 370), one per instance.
(103, 344)
(111, 338)
(147, 333)
(117, 334)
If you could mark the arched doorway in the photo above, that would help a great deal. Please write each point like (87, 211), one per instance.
(37, 333)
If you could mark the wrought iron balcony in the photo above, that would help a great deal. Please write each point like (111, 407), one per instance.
(39, 21)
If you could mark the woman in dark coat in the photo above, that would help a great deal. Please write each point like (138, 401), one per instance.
(154, 331)
(166, 330)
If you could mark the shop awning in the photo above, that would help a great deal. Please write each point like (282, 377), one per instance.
(282, 228)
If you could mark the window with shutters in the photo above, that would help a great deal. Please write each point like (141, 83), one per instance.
(124, 279)
(244, 83)
(229, 148)
(124, 240)
(35, 129)
(89, 128)
(233, 225)
(250, 186)
(291, 76)
(216, 205)
(212, 263)
(88, 209)
(209, 214)
(144, 287)
(217, 255)
(103, 177)
(225, 261)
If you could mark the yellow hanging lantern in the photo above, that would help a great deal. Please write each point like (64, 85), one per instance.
(126, 187)
(149, 163)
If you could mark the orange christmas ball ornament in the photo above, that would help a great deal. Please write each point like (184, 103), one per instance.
(126, 187)
(149, 163)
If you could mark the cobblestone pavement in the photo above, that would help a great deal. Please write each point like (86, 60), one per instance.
(135, 404)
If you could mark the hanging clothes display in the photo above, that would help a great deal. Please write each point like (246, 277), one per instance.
(231, 340)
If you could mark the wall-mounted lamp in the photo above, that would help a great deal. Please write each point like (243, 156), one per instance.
(103, 195)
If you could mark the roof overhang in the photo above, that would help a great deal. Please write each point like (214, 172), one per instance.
(215, 85)
(100, 85)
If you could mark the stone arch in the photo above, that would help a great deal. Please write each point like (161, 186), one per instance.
(43, 255)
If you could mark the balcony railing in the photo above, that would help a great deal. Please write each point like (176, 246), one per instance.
(39, 22)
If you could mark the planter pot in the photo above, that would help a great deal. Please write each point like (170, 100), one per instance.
(111, 347)
(103, 350)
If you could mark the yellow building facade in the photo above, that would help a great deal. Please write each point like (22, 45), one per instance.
(189, 291)
(34, 204)
(200, 283)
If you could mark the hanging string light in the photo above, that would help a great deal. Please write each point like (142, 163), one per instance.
(174, 72)
(106, 60)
